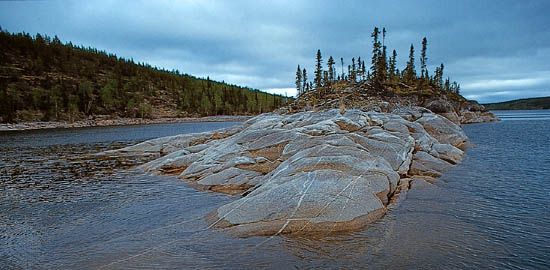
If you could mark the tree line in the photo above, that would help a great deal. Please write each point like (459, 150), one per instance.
(383, 71)
(42, 78)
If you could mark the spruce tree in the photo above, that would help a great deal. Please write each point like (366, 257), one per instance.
(342, 62)
(331, 72)
(382, 60)
(299, 80)
(423, 59)
(363, 70)
(438, 77)
(319, 70)
(304, 81)
(379, 60)
(393, 65)
(382, 66)
(383, 36)
(359, 71)
(353, 73)
(375, 54)
(441, 68)
(409, 74)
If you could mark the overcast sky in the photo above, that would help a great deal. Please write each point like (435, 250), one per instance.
(496, 50)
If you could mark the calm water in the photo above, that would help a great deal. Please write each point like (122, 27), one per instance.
(61, 207)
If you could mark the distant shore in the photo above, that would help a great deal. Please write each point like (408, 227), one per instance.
(118, 122)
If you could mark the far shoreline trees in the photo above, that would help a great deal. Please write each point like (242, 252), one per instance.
(382, 73)
(43, 79)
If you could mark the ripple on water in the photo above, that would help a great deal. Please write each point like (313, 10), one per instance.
(63, 208)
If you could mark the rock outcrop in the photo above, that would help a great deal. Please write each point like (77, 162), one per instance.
(366, 97)
(309, 172)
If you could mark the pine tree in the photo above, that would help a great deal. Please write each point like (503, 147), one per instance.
(299, 81)
(319, 70)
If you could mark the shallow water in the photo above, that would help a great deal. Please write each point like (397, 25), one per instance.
(61, 207)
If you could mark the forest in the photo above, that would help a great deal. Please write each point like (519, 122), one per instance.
(44, 79)
(382, 74)
(538, 103)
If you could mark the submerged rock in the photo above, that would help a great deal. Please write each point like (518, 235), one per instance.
(309, 172)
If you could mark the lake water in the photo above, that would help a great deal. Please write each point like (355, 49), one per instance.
(63, 208)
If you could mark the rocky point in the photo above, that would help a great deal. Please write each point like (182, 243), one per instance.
(310, 172)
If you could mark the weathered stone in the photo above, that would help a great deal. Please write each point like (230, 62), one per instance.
(309, 172)
(428, 165)
(443, 130)
(469, 117)
(452, 116)
(447, 152)
(439, 106)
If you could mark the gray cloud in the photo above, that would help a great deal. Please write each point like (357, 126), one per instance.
(496, 50)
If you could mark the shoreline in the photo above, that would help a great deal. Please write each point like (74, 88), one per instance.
(118, 122)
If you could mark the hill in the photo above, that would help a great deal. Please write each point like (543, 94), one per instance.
(539, 103)
(42, 78)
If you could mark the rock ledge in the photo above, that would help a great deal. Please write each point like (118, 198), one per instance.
(309, 172)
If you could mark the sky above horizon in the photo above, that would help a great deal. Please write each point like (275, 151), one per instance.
(496, 50)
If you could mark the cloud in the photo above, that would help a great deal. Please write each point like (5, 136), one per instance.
(498, 96)
(489, 50)
(282, 91)
(506, 84)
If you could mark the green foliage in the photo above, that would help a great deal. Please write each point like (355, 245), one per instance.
(63, 80)
(145, 110)
(106, 95)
